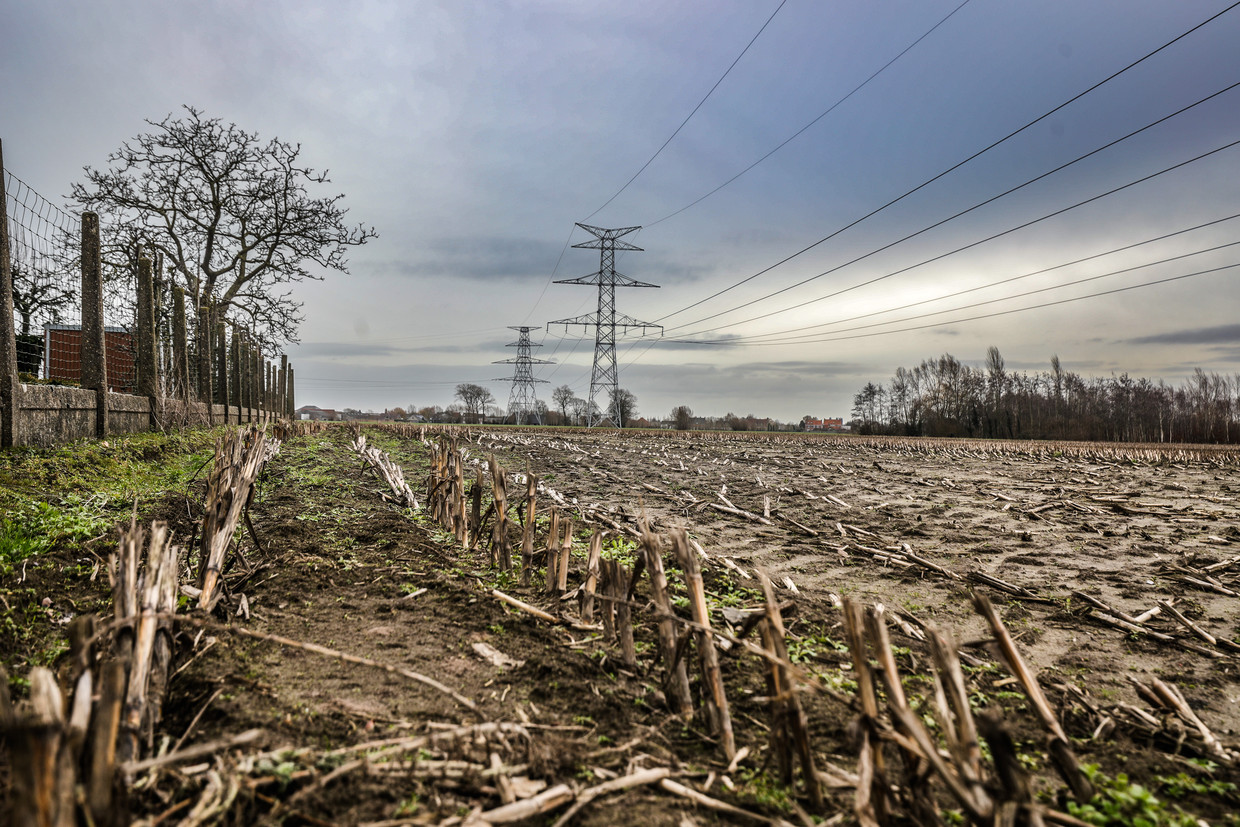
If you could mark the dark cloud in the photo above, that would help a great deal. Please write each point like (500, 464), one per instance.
(1225, 334)
(482, 258)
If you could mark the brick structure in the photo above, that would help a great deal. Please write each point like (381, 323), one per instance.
(63, 347)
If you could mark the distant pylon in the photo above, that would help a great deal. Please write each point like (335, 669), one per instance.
(605, 376)
(522, 400)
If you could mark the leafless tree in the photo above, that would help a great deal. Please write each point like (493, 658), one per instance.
(475, 400)
(623, 406)
(234, 216)
(563, 397)
(682, 415)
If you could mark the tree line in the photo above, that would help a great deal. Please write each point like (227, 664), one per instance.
(945, 397)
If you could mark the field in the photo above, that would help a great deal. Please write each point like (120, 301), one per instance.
(393, 686)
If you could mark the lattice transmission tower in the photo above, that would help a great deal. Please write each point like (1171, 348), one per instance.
(522, 400)
(605, 376)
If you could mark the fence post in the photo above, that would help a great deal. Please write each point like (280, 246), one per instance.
(221, 361)
(247, 372)
(282, 407)
(148, 378)
(292, 410)
(203, 336)
(180, 347)
(94, 354)
(256, 380)
(269, 391)
(8, 330)
(235, 372)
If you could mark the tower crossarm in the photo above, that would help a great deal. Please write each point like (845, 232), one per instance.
(615, 279)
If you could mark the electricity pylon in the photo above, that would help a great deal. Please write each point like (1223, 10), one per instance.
(605, 376)
(522, 398)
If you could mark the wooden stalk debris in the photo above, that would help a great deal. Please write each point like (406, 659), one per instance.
(789, 726)
(676, 682)
(67, 769)
(501, 545)
(1061, 751)
(998, 794)
(592, 576)
(152, 651)
(387, 470)
(552, 553)
(527, 530)
(566, 553)
(239, 456)
(719, 716)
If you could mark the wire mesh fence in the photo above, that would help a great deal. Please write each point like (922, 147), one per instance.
(193, 365)
(43, 246)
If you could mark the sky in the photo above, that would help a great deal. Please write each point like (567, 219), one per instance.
(473, 136)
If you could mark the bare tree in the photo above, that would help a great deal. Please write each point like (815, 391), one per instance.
(682, 416)
(563, 397)
(233, 215)
(475, 400)
(623, 406)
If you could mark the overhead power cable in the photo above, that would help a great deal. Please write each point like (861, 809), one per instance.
(813, 337)
(996, 314)
(826, 112)
(691, 114)
(971, 245)
(987, 286)
(954, 167)
(563, 249)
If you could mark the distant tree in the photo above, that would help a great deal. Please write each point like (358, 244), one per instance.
(682, 417)
(867, 406)
(577, 408)
(237, 218)
(430, 411)
(623, 406)
(563, 397)
(35, 293)
(474, 400)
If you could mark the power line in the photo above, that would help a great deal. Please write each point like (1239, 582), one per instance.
(977, 243)
(826, 112)
(812, 337)
(988, 285)
(691, 114)
(833, 338)
(952, 168)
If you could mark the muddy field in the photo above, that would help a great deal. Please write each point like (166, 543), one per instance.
(389, 685)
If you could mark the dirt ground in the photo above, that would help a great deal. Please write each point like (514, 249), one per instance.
(333, 564)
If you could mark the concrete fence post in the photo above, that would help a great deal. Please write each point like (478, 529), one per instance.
(247, 397)
(8, 330)
(203, 338)
(256, 382)
(180, 348)
(221, 361)
(282, 405)
(234, 371)
(94, 356)
(148, 372)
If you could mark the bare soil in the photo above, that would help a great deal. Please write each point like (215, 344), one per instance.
(336, 565)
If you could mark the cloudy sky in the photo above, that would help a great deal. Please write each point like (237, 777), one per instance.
(473, 135)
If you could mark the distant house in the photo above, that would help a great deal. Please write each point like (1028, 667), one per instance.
(831, 425)
(317, 414)
(62, 344)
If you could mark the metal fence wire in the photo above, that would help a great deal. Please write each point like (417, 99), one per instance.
(45, 255)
